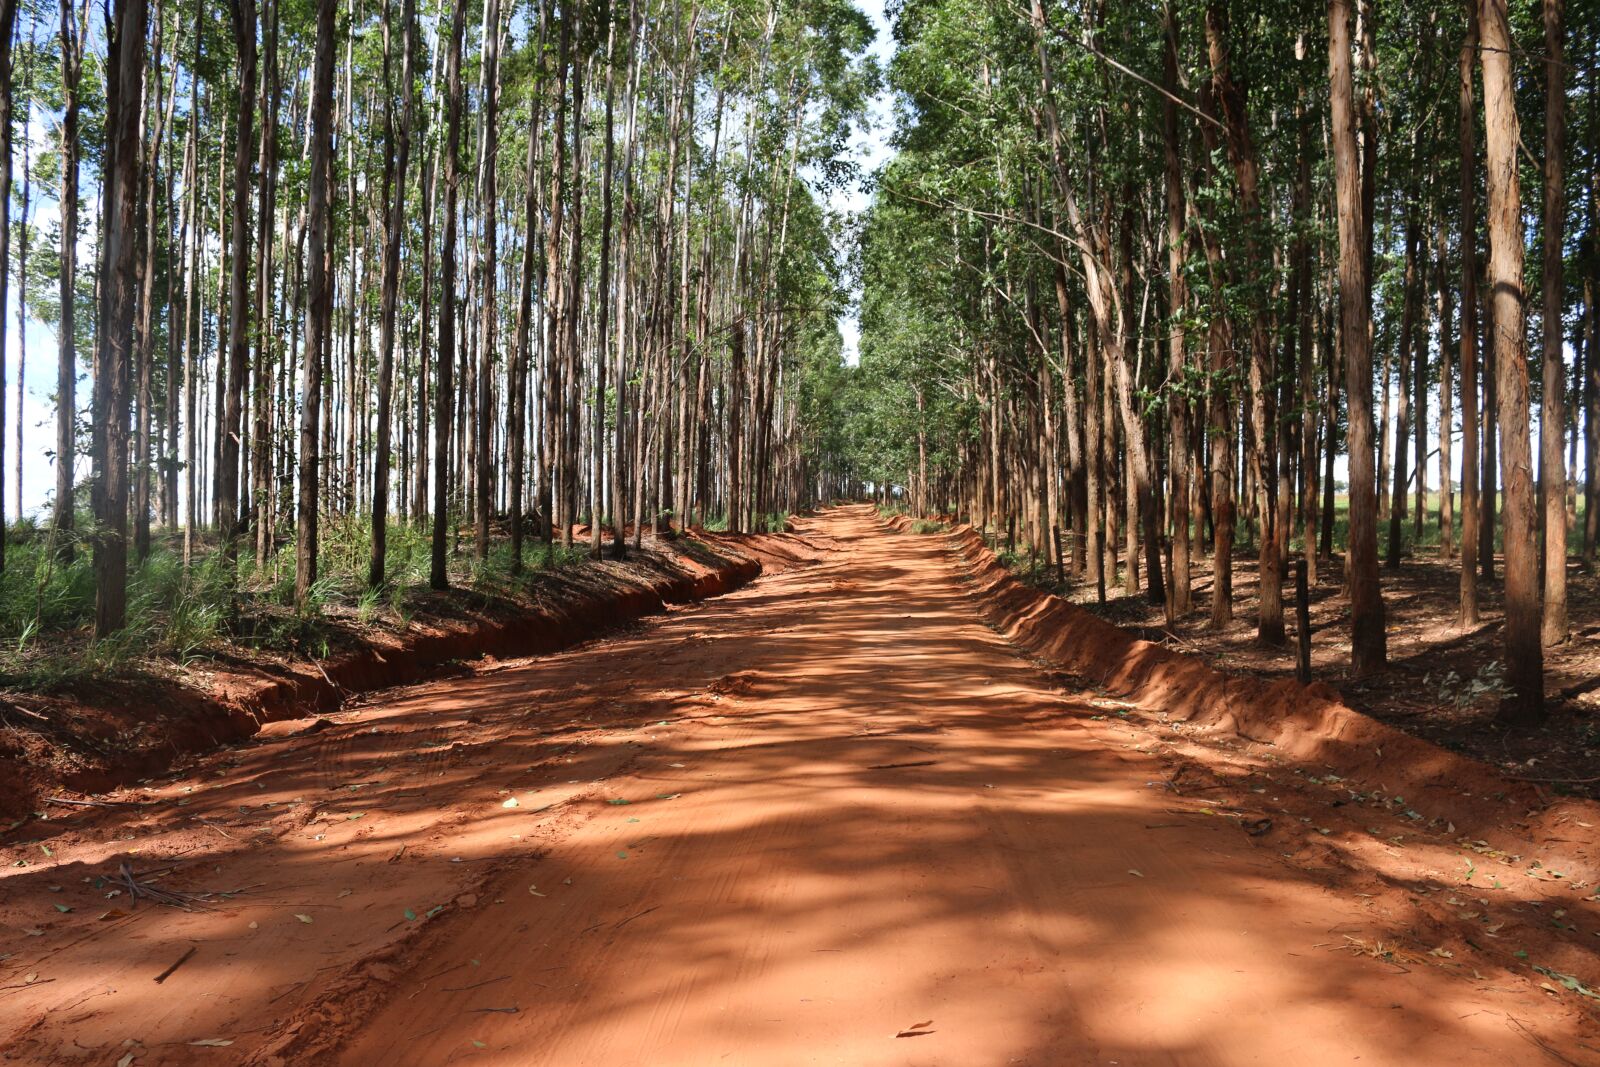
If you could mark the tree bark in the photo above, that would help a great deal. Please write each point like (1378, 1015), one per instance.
(1231, 101)
(1524, 650)
(62, 521)
(129, 18)
(488, 151)
(1411, 287)
(444, 393)
(1553, 409)
(319, 304)
(243, 13)
(1368, 641)
(396, 163)
(1471, 512)
(8, 29)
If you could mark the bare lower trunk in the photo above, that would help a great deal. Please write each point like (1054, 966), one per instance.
(1368, 641)
(1524, 652)
(1553, 409)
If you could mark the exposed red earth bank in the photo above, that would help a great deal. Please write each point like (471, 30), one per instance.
(889, 807)
(127, 730)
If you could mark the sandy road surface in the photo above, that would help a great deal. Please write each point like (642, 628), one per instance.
(828, 819)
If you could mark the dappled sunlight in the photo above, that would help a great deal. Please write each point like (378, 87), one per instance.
(791, 825)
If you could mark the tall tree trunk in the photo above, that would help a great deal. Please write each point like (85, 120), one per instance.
(597, 450)
(1524, 651)
(573, 309)
(192, 285)
(61, 525)
(1367, 638)
(8, 30)
(488, 159)
(444, 390)
(625, 329)
(319, 303)
(395, 176)
(129, 18)
(1591, 363)
(262, 369)
(1231, 101)
(243, 13)
(1411, 296)
(1446, 313)
(22, 298)
(1553, 409)
(1471, 512)
(517, 373)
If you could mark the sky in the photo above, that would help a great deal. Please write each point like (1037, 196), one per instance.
(39, 381)
(871, 147)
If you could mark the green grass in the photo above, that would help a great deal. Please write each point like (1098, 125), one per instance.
(47, 601)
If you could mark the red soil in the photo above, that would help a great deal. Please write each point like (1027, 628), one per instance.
(114, 733)
(831, 817)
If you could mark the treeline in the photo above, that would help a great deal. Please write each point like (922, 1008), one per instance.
(497, 269)
(1138, 273)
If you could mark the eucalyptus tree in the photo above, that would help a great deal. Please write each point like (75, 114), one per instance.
(1237, 314)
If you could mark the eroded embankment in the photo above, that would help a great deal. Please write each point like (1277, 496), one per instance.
(1309, 723)
(141, 727)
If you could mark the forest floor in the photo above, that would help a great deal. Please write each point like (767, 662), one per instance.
(1443, 683)
(70, 720)
(830, 817)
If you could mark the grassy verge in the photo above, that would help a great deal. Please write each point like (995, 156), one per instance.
(177, 614)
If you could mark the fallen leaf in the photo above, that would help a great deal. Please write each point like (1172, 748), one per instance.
(510, 803)
(62, 908)
(214, 1042)
(1136, 874)
(302, 918)
(114, 913)
(30, 978)
(1442, 952)
(411, 916)
(1571, 982)
(616, 801)
(535, 891)
(127, 1059)
(622, 855)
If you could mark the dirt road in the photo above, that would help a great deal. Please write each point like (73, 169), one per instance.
(831, 818)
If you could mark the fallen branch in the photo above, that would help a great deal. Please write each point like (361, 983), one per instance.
(164, 975)
(474, 985)
(172, 898)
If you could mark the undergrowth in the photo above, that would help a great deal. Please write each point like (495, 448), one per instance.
(178, 613)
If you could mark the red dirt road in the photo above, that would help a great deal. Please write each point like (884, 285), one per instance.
(828, 819)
